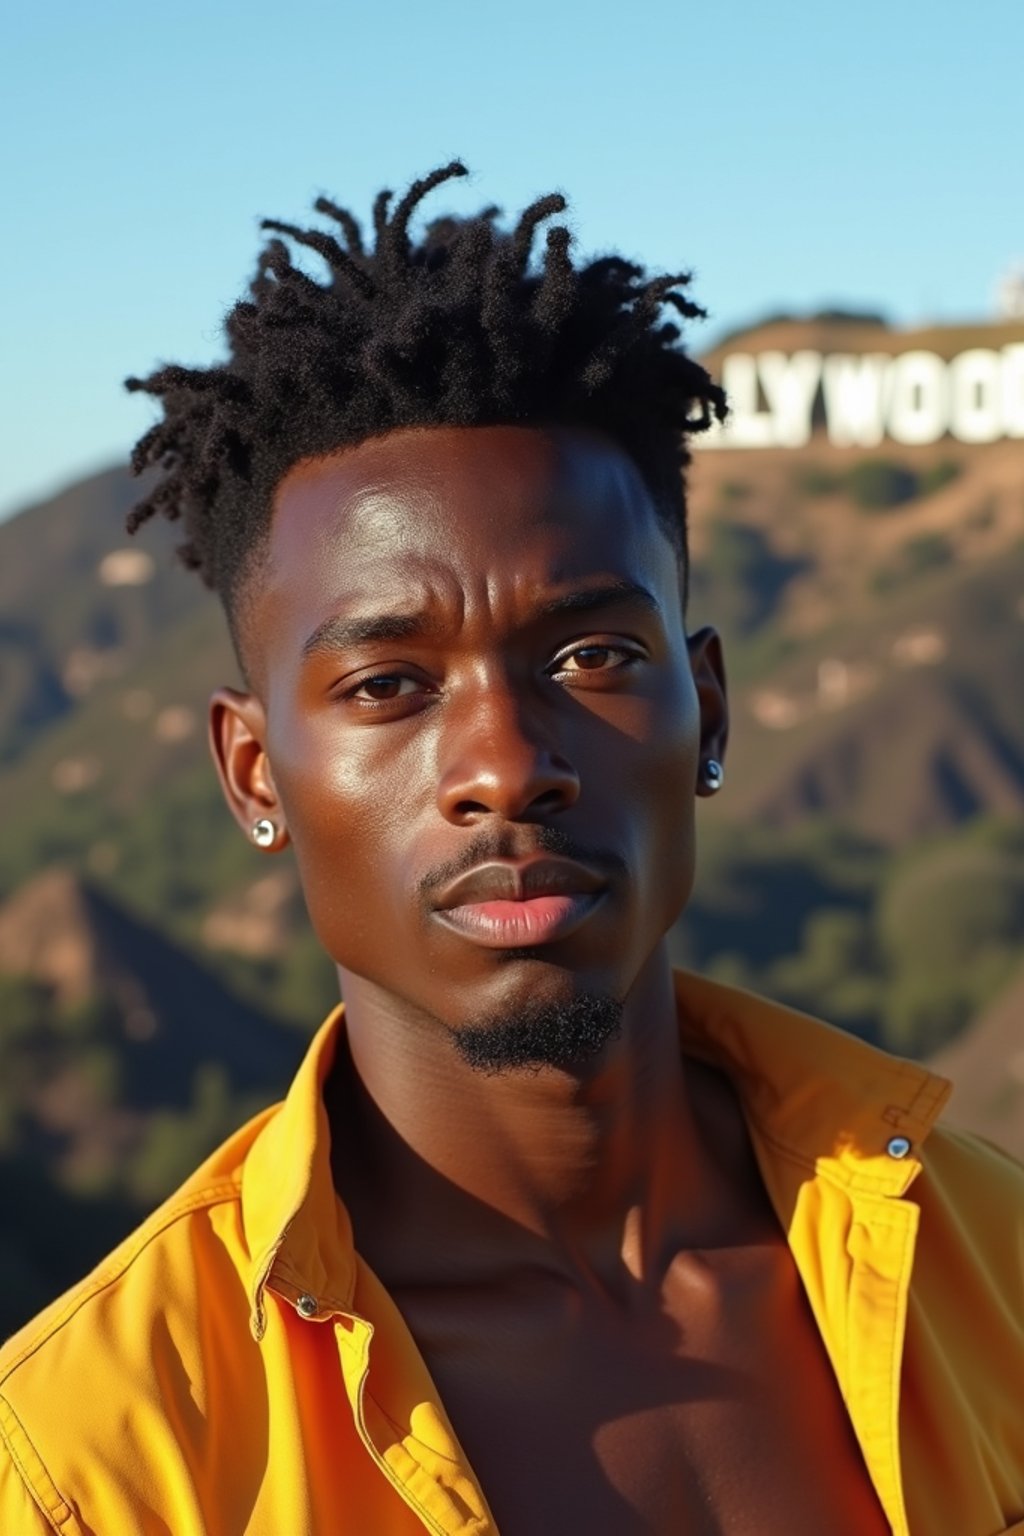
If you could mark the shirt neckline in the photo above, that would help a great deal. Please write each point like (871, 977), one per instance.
(813, 1093)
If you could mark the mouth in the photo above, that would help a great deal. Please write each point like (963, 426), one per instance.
(508, 906)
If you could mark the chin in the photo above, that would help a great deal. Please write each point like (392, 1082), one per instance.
(566, 1030)
(540, 973)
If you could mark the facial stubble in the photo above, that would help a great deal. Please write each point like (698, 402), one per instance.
(564, 1035)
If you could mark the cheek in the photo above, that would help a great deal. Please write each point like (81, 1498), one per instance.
(340, 805)
(664, 793)
(662, 733)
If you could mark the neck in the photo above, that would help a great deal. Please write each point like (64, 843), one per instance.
(592, 1173)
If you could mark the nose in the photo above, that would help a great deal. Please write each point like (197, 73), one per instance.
(497, 762)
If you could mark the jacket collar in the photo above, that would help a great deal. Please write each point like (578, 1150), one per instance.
(812, 1094)
(298, 1233)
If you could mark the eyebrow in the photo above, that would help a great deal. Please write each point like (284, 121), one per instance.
(589, 599)
(337, 633)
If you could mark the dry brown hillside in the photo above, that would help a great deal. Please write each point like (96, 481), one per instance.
(986, 1064)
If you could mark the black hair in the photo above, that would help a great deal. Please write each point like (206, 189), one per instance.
(460, 328)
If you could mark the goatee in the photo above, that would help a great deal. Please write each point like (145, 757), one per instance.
(564, 1035)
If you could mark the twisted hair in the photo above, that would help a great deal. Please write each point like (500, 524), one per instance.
(462, 328)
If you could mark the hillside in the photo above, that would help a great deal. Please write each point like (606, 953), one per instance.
(124, 1062)
(115, 601)
(115, 1025)
(986, 1064)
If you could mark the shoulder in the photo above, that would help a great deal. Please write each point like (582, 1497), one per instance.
(973, 1175)
(971, 1198)
(77, 1379)
(164, 1241)
(962, 1432)
(961, 1158)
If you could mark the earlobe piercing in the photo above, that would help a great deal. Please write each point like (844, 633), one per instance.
(714, 774)
(263, 832)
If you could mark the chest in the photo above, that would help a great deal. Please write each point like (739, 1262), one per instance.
(715, 1411)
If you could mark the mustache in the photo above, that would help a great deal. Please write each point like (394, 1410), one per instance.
(520, 843)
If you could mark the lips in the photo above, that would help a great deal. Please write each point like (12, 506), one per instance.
(504, 905)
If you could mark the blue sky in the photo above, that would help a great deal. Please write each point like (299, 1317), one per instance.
(794, 154)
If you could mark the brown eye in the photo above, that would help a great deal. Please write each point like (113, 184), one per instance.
(592, 658)
(381, 689)
(595, 658)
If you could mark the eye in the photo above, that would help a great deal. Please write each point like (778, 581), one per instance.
(591, 659)
(383, 688)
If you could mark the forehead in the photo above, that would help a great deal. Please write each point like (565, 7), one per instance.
(466, 511)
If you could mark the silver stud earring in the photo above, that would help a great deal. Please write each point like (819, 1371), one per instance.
(264, 832)
(714, 774)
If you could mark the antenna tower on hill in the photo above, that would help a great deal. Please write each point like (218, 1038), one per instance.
(1010, 293)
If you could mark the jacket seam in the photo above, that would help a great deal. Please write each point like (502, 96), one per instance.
(414, 1503)
(403, 1433)
(218, 1194)
(56, 1511)
(924, 1105)
(399, 1484)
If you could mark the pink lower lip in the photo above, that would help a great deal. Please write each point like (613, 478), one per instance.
(508, 924)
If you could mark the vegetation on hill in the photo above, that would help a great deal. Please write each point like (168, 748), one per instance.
(879, 484)
(904, 949)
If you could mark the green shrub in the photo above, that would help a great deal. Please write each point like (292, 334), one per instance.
(24, 1006)
(835, 971)
(742, 578)
(941, 908)
(949, 925)
(926, 552)
(878, 485)
(938, 475)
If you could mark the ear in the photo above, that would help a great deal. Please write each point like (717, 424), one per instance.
(708, 668)
(237, 730)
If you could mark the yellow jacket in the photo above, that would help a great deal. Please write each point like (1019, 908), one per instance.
(234, 1367)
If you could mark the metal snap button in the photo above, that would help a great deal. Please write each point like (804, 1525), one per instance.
(307, 1305)
(898, 1146)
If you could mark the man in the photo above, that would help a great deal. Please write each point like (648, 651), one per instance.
(544, 1239)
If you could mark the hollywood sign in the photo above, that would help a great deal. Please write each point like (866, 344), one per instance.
(777, 399)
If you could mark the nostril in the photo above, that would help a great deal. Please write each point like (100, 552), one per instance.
(509, 778)
(550, 800)
(464, 809)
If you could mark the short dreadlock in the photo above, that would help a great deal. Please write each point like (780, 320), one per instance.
(460, 329)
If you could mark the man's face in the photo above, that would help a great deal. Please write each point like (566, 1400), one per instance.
(475, 686)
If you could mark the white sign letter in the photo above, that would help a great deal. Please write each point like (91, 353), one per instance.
(747, 427)
(855, 398)
(919, 398)
(790, 385)
(976, 396)
(1013, 390)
